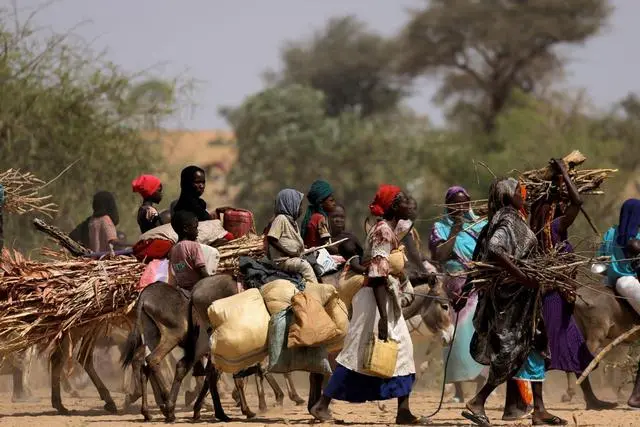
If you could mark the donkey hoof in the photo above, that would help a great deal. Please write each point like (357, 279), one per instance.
(223, 417)
(298, 400)
(196, 415)
(147, 416)
(249, 414)
(111, 408)
(566, 398)
(169, 418)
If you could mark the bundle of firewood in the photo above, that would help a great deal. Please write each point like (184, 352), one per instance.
(41, 301)
(230, 253)
(22, 193)
(560, 271)
(539, 182)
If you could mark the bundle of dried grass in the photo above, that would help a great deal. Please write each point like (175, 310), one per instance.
(41, 301)
(559, 271)
(250, 245)
(22, 193)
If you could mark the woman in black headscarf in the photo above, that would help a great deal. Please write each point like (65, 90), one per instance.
(192, 183)
(99, 230)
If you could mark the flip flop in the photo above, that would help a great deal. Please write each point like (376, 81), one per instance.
(553, 421)
(477, 419)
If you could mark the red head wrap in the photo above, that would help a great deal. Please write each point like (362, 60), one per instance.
(384, 199)
(146, 185)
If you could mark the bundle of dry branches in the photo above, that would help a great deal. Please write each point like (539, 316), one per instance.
(21, 193)
(553, 271)
(249, 245)
(41, 301)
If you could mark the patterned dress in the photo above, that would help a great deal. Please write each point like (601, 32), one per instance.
(348, 382)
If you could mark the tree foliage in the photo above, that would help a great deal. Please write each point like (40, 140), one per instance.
(61, 104)
(485, 50)
(350, 64)
(285, 139)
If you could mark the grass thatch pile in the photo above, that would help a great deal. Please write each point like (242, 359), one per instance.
(41, 301)
(22, 193)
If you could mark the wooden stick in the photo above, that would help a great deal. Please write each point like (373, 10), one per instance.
(586, 215)
(75, 248)
(328, 245)
(604, 352)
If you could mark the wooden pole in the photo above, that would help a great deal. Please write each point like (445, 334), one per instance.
(604, 352)
(586, 215)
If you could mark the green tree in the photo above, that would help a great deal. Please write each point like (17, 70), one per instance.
(350, 64)
(285, 139)
(59, 105)
(485, 50)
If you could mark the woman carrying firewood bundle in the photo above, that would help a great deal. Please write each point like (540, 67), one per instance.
(551, 218)
(376, 307)
(510, 336)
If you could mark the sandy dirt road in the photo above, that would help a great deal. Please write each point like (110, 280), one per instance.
(87, 411)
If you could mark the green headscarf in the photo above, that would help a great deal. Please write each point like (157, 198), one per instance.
(319, 192)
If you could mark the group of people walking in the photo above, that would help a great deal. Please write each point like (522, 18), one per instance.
(512, 333)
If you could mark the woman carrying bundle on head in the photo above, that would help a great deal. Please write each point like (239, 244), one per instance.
(150, 188)
(452, 243)
(284, 242)
(510, 335)
(315, 225)
(550, 220)
(376, 308)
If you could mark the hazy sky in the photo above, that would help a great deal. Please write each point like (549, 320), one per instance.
(226, 44)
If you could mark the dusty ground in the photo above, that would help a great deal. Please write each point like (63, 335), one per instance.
(88, 411)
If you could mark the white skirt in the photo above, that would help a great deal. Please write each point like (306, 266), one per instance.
(364, 323)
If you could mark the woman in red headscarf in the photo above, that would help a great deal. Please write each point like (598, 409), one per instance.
(150, 188)
(376, 308)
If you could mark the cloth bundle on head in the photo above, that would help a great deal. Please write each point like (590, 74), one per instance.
(319, 192)
(146, 185)
(384, 199)
(288, 203)
(629, 222)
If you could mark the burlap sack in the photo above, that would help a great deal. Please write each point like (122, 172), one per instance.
(397, 260)
(277, 295)
(339, 314)
(321, 292)
(240, 331)
(313, 326)
(348, 285)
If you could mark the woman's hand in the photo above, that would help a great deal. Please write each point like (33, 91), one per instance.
(383, 331)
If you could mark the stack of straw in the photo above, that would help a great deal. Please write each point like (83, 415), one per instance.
(41, 301)
(21, 193)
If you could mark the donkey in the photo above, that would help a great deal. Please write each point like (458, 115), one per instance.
(165, 321)
(602, 317)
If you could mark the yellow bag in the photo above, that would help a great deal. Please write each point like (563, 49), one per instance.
(313, 326)
(397, 260)
(380, 358)
(339, 314)
(348, 285)
(277, 295)
(240, 331)
(321, 292)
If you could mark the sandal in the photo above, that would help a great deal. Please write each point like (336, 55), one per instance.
(477, 419)
(553, 421)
